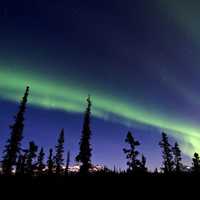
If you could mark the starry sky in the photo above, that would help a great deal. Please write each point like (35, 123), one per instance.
(138, 59)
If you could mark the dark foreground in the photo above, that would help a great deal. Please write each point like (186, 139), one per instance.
(100, 187)
(150, 183)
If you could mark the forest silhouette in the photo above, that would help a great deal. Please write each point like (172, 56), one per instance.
(33, 162)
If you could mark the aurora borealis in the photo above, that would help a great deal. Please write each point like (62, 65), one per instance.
(47, 95)
(138, 61)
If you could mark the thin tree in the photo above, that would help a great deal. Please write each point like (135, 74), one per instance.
(85, 153)
(59, 153)
(50, 162)
(19, 165)
(132, 154)
(31, 155)
(156, 171)
(166, 154)
(177, 157)
(40, 161)
(12, 148)
(67, 163)
(114, 170)
(196, 163)
(143, 164)
(22, 165)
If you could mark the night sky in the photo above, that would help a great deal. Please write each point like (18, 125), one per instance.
(138, 59)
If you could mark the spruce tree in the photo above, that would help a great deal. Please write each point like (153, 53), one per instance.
(59, 153)
(19, 165)
(196, 163)
(22, 168)
(67, 163)
(12, 148)
(40, 162)
(167, 154)
(156, 171)
(31, 155)
(84, 156)
(132, 154)
(177, 157)
(143, 164)
(50, 162)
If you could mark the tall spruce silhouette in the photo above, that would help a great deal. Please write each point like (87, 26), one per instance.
(84, 156)
(59, 153)
(167, 155)
(196, 163)
(12, 148)
(177, 157)
(50, 162)
(132, 154)
(31, 155)
(40, 162)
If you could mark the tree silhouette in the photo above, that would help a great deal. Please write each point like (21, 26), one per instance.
(167, 154)
(25, 159)
(84, 156)
(31, 155)
(177, 157)
(50, 162)
(155, 171)
(59, 153)
(196, 163)
(22, 162)
(114, 169)
(19, 165)
(132, 154)
(40, 161)
(143, 164)
(67, 163)
(12, 148)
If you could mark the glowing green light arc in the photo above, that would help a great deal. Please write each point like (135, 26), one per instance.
(52, 95)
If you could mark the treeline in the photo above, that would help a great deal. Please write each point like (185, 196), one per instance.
(17, 161)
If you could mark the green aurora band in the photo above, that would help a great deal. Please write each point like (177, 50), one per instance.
(49, 94)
